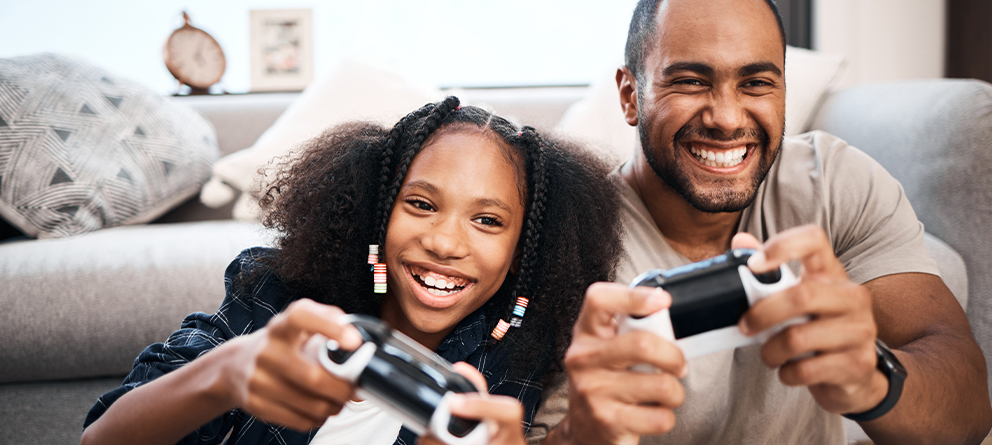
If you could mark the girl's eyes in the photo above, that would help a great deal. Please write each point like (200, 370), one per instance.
(421, 204)
(489, 221)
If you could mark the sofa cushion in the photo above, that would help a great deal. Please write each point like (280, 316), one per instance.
(934, 137)
(951, 266)
(82, 149)
(353, 91)
(85, 306)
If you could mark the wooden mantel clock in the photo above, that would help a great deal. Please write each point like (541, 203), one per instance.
(194, 58)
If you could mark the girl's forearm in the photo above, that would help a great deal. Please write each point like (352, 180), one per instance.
(168, 408)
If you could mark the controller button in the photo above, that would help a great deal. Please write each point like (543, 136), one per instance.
(770, 277)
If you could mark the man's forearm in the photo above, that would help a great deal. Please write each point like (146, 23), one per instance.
(943, 401)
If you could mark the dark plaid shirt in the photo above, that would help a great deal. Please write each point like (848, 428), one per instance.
(243, 314)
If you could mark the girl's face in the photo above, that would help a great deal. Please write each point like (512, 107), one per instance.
(452, 234)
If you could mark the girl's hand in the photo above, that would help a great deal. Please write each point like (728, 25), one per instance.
(502, 415)
(273, 373)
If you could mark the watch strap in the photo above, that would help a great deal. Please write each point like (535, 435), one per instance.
(895, 373)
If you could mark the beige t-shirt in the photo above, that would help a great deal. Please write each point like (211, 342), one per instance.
(731, 396)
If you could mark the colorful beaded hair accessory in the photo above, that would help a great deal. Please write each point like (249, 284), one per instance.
(378, 270)
(515, 321)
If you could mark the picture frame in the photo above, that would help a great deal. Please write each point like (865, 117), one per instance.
(281, 46)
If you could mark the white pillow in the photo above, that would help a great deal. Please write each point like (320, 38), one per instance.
(809, 76)
(353, 91)
(597, 119)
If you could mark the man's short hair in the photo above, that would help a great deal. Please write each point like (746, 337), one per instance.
(642, 29)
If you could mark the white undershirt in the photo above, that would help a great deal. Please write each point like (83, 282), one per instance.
(359, 423)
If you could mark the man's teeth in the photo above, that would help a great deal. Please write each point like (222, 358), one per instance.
(728, 158)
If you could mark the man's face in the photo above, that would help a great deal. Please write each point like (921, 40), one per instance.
(711, 100)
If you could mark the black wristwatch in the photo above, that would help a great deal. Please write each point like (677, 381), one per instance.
(894, 371)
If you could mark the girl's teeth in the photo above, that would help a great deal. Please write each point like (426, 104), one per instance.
(439, 292)
(437, 286)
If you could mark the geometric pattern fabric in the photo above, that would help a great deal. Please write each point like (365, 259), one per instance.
(82, 149)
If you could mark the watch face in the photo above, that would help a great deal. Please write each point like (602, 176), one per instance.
(194, 57)
(889, 358)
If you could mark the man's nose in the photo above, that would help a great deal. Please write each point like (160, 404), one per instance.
(447, 239)
(725, 111)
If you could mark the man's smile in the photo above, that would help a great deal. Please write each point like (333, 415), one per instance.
(720, 158)
(720, 155)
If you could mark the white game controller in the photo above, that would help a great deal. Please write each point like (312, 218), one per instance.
(406, 379)
(708, 299)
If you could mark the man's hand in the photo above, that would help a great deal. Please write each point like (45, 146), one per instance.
(840, 370)
(607, 402)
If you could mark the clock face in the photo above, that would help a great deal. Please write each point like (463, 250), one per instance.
(194, 57)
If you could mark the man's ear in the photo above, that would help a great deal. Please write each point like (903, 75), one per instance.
(627, 86)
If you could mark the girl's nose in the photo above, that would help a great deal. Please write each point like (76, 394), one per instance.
(446, 239)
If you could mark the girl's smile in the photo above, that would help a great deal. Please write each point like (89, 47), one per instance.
(433, 288)
(453, 232)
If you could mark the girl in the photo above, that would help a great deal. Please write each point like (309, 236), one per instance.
(471, 224)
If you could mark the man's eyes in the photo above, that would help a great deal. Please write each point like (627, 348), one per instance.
(757, 83)
(688, 82)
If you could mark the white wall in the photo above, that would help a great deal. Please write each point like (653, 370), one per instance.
(883, 40)
(437, 42)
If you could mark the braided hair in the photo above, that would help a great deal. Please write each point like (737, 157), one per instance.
(335, 197)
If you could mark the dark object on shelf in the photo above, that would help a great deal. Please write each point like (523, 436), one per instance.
(969, 39)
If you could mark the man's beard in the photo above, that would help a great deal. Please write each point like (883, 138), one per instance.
(724, 199)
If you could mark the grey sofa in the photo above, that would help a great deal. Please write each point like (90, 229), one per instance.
(75, 312)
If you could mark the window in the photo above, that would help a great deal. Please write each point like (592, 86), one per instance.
(463, 43)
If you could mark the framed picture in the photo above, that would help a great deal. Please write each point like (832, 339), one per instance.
(281, 46)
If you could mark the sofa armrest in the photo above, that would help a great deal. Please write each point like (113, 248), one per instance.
(935, 137)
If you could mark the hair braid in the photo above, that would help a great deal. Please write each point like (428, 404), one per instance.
(435, 116)
(385, 168)
(532, 226)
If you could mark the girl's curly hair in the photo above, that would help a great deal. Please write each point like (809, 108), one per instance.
(334, 197)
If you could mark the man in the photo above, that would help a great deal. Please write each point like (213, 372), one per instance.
(704, 84)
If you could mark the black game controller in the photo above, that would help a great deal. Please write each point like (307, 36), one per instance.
(708, 299)
(406, 379)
